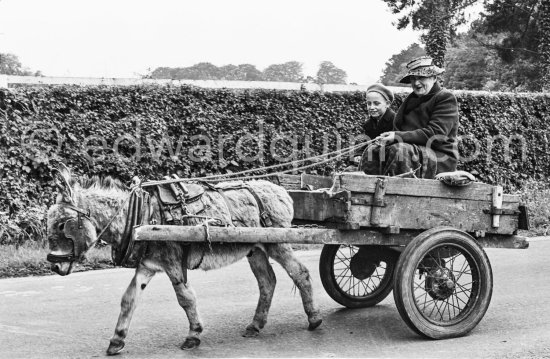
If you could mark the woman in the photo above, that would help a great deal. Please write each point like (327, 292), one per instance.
(423, 138)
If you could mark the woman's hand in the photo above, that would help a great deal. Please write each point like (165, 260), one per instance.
(387, 137)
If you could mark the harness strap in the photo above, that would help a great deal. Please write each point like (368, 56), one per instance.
(224, 197)
(180, 193)
(77, 210)
(185, 256)
(135, 217)
(265, 221)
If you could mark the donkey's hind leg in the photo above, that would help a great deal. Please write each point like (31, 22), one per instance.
(128, 304)
(265, 276)
(284, 255)
(188, 301)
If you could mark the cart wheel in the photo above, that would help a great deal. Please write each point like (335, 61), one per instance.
(443, 283)
(357, 276)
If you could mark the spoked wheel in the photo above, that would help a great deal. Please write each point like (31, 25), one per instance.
(357, 276)
(443, 283)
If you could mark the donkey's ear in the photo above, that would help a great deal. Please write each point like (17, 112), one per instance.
(62, 177)
(63, 170)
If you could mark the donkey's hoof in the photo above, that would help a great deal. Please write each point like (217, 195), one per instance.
(251, 332)
(115, 347)
(190, 343)
(313, 325)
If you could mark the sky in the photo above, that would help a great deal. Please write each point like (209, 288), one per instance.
(125, 38)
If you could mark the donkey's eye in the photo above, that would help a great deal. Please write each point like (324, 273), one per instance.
(61, 226)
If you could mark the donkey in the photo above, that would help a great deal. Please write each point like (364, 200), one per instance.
(97, 205)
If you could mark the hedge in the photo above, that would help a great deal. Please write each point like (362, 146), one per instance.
(43, 125)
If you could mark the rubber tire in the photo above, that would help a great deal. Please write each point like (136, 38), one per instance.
(326, 271)
(404, 279)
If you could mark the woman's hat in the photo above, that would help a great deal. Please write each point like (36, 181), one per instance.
(382, 90)
(421, 66)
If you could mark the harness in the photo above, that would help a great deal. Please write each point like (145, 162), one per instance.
(174, 200)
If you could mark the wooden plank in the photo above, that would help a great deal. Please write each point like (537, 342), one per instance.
(499, 241)
(426, 212)
(314, 182)
(157, 233)
(320, 206)
(289, 182)
(357, 182)
(268, 235)
(404, 212)
(378, 199)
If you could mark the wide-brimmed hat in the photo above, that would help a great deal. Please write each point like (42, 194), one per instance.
(421, 66)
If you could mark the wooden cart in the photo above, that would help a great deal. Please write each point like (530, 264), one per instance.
(421, 238)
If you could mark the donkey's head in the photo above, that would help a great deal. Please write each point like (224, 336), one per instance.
(71, 231)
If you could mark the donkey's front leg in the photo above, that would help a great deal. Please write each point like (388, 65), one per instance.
(188, 301)
(129, 302)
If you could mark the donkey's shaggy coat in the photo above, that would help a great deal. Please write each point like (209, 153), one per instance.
(103, 198)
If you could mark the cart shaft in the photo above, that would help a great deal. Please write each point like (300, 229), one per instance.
(298, 236)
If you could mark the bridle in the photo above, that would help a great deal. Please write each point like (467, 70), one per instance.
(73, 228)
(71, 225)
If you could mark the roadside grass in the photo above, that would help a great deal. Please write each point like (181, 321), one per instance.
(29, 259)
(536, 195)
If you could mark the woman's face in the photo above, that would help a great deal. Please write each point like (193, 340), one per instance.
(376, 104)
(422, 85)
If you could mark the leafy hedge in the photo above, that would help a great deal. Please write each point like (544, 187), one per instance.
(40, 126)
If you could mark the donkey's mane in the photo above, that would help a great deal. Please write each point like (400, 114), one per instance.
(102, 182)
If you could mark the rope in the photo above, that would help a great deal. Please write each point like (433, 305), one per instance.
(228, 176)
(276, 173)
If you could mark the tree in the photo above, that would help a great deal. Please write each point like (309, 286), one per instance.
(161, 73)
(471, 66)
(288, 72)
(521, 36)
(439, 18)
(544, 45)
(328, 73)
(200, 71)
(395, 67)
(243, 72)
(208, 71)
(10, 65)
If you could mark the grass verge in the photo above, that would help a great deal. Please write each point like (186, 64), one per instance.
(29, 259)
(536, 195)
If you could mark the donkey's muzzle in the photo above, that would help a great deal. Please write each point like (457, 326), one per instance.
(62, 269)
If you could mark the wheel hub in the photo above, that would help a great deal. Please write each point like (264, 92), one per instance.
(440, 283)
(363, 265)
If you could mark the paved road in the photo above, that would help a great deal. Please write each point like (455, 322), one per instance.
(74, 316)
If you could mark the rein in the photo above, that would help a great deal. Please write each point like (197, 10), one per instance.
(240, 175)
(135, 200)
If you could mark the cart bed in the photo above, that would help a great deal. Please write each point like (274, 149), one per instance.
(394, 204)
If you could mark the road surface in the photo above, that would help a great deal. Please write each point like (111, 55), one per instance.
(74, 317)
